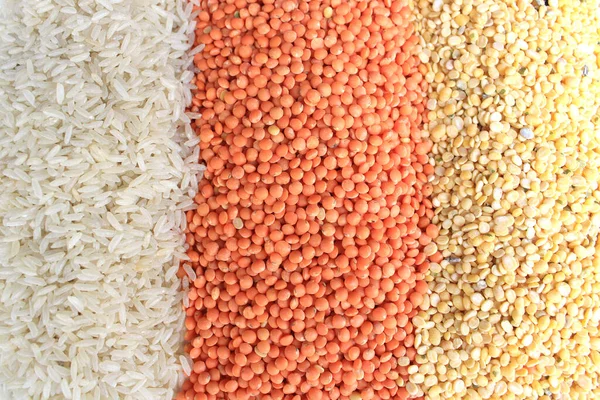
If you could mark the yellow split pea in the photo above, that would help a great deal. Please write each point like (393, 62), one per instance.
(513, 309)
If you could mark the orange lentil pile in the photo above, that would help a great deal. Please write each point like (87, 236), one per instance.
(312, 231)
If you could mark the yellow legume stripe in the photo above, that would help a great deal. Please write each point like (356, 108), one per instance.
(514, 307)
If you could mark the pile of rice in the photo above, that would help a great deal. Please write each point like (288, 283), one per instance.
(94, 179)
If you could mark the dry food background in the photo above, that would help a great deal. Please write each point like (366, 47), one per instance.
(316, 199)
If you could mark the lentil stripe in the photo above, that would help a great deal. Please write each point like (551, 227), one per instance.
(312, 232)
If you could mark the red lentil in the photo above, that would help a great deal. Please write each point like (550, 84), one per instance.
(312, 232)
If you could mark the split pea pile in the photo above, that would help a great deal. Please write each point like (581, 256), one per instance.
(312, 231)
(513, 308)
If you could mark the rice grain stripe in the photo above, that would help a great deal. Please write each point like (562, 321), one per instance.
(90, 304)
